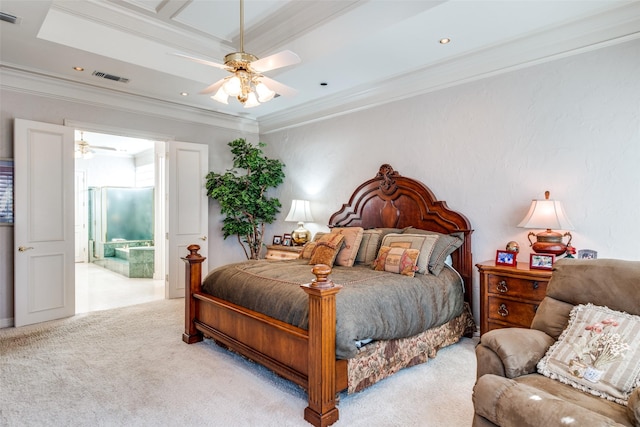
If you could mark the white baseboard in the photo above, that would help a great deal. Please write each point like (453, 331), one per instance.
(6, 323)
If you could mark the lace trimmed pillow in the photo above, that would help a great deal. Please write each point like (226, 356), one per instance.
(598, 352)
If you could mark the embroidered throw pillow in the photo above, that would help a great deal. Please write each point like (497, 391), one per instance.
(327, 248)
(598, 352)
(352, 238)
(422, 242)
(397, 260)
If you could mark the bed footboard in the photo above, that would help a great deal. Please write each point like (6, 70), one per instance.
(306, 357)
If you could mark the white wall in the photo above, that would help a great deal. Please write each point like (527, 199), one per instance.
(488, 147)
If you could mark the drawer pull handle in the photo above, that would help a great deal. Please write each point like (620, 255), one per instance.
(536, 285)
(502, 286)
(502, 311)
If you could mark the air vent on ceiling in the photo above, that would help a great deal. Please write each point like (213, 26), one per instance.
(9, 18)
(110, 77)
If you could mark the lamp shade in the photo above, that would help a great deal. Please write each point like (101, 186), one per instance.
(300, 211)
(547, 214)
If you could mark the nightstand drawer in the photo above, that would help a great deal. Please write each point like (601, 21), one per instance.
(279, 253)
(522, 288)
(513, 312)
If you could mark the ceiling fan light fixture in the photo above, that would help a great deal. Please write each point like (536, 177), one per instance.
(221, 96)
(264, 93)
(233, 86)
(251, 101)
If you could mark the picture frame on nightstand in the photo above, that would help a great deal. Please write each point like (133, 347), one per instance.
(541, 261)
(277, 240)
(506, 258)
(286, 240)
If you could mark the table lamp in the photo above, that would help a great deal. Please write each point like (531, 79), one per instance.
(300, 212)
(547, 214)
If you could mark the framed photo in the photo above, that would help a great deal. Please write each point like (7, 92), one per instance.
(277, 240)
(6, 192)
(286, 240)
(507, 258)
(587, 254)
(541, 261)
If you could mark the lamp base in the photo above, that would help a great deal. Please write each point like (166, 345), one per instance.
(300, 235)
(549, 242)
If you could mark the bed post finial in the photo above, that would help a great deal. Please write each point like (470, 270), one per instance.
(193, 277)
(321, 271)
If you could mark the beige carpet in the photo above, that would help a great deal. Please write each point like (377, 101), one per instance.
(129, 367)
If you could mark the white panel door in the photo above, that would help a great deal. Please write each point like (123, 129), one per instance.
(44, 287)
(187, 206)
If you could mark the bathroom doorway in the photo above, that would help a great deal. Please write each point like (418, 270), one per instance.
(119, 220)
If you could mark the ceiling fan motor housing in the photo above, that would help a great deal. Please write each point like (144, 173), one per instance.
(239, 60)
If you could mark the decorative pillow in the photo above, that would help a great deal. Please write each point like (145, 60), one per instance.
(422, 242)
(307, 250)
(445, 246)
(397, 260)
(598, 352)
(368, 246)
(327, 248)
(352, 238)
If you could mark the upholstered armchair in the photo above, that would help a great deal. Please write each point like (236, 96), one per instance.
(509, 391)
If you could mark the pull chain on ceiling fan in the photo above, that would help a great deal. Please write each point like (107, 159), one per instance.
(247, 83)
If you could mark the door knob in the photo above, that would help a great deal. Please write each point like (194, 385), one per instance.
(203, 238)
(24, 248)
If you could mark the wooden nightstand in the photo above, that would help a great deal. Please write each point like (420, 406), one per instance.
(509, 296)
(279, 252)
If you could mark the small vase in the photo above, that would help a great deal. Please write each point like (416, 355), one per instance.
(592, 374)
(577, 368)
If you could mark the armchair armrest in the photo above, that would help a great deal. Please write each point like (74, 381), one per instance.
(518, 349)
(633, 407)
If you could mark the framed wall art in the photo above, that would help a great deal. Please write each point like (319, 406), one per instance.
(6, 192)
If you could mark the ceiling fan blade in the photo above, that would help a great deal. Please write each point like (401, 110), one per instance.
(277, 60)
(212, 88)
(202, 61)
(278, 87)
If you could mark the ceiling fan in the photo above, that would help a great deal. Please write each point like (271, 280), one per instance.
(85, 151)
(246, 82)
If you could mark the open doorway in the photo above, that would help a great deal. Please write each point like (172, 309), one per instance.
(119, 219)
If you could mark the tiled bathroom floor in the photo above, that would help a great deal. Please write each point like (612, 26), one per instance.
(99, 289)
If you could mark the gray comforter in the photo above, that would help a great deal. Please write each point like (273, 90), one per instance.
(372, 304)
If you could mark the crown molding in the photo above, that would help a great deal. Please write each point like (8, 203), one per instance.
(615, 26)
(22, 81)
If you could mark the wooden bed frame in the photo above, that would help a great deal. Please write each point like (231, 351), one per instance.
(307, 357)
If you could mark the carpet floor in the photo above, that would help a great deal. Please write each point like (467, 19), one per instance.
(129, 367)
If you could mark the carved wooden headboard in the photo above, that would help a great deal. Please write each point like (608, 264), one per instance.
(394, 201)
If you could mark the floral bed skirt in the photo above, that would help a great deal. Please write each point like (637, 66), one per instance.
(381, 359)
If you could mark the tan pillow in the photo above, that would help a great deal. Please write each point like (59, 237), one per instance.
(352, 238)
(307, 250)
(368, 246)
(445, 246)
(598, 352)
(327, 248)
(397, 260)
(422, 242)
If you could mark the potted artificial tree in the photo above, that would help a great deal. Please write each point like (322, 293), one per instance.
(243, 195)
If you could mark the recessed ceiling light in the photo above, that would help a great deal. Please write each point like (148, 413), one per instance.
(78, 68)
(184, 94)
(445, 40)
